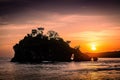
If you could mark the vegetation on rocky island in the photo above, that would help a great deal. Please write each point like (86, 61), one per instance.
(37, 47)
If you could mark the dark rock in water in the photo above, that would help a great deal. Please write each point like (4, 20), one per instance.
(36, 47)
(95, 58)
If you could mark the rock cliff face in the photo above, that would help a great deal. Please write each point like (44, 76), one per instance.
(36, 47)
(79, 56)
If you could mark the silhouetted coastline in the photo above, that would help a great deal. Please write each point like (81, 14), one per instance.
(110, 54)
(37, 47)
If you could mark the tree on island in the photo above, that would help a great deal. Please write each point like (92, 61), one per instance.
(37, 47)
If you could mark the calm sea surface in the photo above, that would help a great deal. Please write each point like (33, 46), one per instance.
(103, 69)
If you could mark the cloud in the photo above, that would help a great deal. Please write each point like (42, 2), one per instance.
(111, 33)
(22, 11)
(3, 21)
(61, 6)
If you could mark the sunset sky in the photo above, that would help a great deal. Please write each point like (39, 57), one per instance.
(92, 24)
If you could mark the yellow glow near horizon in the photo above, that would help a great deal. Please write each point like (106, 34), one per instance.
(93, 47)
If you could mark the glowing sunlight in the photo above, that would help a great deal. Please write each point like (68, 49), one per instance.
(93, 47)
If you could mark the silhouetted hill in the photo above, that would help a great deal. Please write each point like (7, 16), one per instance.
(113, 54)
(37, 47)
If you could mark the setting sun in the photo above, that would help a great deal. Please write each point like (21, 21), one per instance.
(93, 47)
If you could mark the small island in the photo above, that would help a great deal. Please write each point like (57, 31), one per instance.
(37, 47)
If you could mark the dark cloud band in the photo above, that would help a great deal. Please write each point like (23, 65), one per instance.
(13, 9)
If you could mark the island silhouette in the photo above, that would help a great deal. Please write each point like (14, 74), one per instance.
(37, 47)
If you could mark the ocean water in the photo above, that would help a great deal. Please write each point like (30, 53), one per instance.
(103, 69)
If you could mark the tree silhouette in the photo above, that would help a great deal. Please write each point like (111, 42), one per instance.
(40, 30)
(34, 32)
(52, 34)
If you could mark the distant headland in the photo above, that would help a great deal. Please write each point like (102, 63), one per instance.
(110, 54)
(37, 47)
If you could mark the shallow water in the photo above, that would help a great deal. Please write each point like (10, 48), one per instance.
(103, 69)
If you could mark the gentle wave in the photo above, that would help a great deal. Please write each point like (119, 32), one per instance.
(103, 69)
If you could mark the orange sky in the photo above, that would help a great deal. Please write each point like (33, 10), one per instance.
(84, 24)
(81, 30)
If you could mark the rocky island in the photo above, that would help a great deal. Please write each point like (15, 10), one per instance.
(37, 47)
